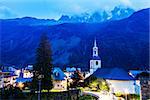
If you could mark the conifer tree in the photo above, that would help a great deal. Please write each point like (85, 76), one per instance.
(43, 65)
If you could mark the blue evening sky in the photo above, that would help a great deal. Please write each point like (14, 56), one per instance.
(55, 8)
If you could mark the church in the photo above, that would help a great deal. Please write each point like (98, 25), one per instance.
(95, 62)
(118, 82)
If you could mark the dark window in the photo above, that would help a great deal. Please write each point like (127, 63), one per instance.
(94, 52)
(96, 62)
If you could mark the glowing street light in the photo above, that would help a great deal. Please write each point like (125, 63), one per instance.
(126, 94)
(39, 92)
(20, 85)
(103, 83)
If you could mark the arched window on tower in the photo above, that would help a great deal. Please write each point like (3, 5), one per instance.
(96, 62)
(94, 52)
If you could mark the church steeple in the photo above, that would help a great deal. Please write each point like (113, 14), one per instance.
(95, 49)
(95, 45)
(95, 62)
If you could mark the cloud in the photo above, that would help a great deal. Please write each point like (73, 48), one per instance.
(56, 8)
(126, 2)
(6, 13)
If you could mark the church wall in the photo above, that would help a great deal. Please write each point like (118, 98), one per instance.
(127, 87)
(93, 66)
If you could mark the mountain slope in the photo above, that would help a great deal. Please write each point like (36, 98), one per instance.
(121, 43)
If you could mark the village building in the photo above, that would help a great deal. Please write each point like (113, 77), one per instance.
(119, 80)
(59, 79)
(10, 75)
(70, 71)
(22, 79)
(27, 71)
(7, 78)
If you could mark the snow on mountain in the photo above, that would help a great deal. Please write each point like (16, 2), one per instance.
(98, 16)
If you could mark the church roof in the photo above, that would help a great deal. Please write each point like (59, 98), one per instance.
(112, 74)
(68, 69)
(96, 58)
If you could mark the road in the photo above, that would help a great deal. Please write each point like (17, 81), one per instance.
(99, 95)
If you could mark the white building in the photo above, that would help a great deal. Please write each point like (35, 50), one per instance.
(60, 80)
(124, 86)
(7, 78)
(27, 71)
(27, 74)
(120, 81)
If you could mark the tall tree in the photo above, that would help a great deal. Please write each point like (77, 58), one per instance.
(43, 65)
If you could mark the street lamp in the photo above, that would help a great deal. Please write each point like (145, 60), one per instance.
(39, 91)
(126, 94)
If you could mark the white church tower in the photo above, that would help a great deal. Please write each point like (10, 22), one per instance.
(95, 62)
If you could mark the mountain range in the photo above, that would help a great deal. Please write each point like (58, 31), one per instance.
(99, 16)
(96, 17)
(122, 42)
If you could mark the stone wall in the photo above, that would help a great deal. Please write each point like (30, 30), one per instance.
(64, 95)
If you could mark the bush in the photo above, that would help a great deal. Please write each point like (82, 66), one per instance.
(87, 97)
(130, 96)
(99, 85)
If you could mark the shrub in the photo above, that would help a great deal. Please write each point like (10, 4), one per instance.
(87, 97)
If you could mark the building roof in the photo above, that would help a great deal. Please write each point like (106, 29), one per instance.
(134, 73)
(58, 74)
(4, 70)
(23, 80)
(96, 58)
(68, 69)
(112, 74)
(29, 67)
(72, 69)
(7, 74)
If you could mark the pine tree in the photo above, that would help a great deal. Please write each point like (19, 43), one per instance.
(43, 65)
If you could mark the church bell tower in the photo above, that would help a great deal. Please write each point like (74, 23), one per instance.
(95, 62)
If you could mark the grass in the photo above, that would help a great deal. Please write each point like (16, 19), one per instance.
(87, 97)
